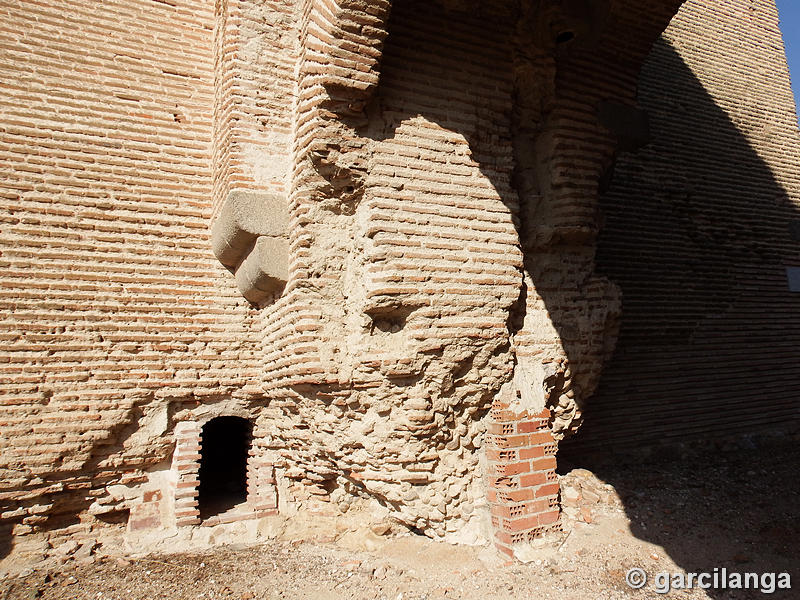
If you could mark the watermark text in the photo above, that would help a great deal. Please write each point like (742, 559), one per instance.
(718, 579)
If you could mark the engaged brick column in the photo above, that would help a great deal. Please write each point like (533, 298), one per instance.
(186, 463)
(523, 485)
(262, 493)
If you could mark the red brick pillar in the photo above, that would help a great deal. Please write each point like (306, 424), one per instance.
(523, 485)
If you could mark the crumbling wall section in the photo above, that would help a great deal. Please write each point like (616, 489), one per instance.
(366, 367)
(410, 304)
(574, 87)
(574, 105)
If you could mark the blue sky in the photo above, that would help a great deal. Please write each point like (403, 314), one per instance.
(789, 11)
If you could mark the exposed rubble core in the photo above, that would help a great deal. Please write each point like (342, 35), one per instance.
(402, 197)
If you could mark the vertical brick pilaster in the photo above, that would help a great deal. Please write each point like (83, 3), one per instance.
(523, 486)
(186, 464)
(262, 492)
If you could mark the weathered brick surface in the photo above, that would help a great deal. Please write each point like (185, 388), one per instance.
(406, 265)
(254, 60)
(441, 165)
(111, 307)
(698, 234)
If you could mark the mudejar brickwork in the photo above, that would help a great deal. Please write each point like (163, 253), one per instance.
(386, 250)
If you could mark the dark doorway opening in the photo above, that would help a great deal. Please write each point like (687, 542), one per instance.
(224, 448)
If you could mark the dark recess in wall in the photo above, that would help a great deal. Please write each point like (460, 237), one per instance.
(224, 448)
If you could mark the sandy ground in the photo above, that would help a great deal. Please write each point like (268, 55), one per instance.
(738, 511)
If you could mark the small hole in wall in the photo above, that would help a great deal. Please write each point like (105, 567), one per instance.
(389, 319)
(6, 543)
(224, 448)
(116, 517)
(564, 37)
(389, 325)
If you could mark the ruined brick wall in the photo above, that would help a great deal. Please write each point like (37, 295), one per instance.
(114, 311)
(408, 304)
(390, 337)
(407, 193)
(698, 232)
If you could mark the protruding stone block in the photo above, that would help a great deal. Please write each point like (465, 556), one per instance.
(265, 270)
(244, 217)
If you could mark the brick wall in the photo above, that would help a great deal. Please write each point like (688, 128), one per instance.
(390, 287)
(398, 324)
(441, 167)
(254, 54)
(112, 304)
(697, 236)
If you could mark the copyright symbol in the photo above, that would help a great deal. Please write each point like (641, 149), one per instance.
(636, 578)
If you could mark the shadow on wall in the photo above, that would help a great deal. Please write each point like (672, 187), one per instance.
(697, 234)
(431, 73)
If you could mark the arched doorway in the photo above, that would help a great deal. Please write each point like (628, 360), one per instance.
(224, 448)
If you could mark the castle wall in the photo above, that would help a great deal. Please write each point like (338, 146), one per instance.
(114, 311)
(698, 232)
(406, 194)
(390, 339)
(407, 301)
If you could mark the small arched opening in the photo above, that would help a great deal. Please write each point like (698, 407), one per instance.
(224, 448)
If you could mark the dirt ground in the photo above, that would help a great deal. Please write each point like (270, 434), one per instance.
(737, 511)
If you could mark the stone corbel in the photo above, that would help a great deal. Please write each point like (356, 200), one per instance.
(250, 239)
